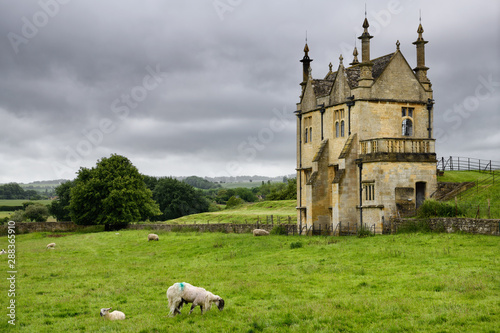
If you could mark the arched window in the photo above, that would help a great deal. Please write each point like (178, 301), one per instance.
(310, 134)
(342, 128)
(306, 136)
(337, 129)
(407, 127)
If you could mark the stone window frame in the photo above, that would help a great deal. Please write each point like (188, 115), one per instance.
(369, 190)
(339, 116)
(407, 115)
(308, 129)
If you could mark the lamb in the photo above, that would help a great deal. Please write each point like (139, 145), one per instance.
(260, 232)
(153, 237)
(115, 315)
(182, 293)
(51, 245)
(3, 252)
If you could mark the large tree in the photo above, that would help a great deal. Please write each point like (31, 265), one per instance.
(60, 206)
(177, 199)
(111, 193)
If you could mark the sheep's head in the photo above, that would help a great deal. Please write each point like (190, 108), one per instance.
(104, 311)
(220, 304)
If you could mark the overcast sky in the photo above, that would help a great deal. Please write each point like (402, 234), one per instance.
(208, 88)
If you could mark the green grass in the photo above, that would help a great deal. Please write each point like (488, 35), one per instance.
(489, 191)
(397, 283)
(19, 202)
(246, 213)
(462, 176)
(242, 184)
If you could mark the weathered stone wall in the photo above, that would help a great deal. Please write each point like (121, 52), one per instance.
(26, 227)
(450, 224)
(219, 227)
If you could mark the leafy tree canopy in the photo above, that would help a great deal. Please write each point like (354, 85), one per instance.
(111, 193)
(201, 183)
(12, 191)
(177, 199)
(37, 212)
(60, 206)
(280, 191)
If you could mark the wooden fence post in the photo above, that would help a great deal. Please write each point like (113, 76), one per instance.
(489, 209)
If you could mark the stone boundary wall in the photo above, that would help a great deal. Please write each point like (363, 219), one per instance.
(450, 224)
(213, 227)
(26, 227)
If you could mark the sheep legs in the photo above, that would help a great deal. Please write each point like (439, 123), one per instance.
(193, 306)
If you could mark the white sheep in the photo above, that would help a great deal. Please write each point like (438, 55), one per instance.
(115, 315)
(51, 245)
(260, 232)
(182, 293)
(3, 252)
(153, 237)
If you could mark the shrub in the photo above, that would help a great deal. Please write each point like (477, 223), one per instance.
(414, 225)
(36, 212)
(433, 208)
(295, 245)
(279, 230)
(364, 232)
(18, 216)
(233, 202)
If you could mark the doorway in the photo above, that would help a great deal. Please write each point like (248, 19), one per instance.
(419, 194)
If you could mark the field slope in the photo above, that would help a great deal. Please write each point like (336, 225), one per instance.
(397, 283)
(284, 210)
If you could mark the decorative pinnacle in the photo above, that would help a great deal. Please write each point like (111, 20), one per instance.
(341, 58)
(330, 66)
(306, 48)
(397, 45)
(366, 24)
(355, 54)
(420, 30)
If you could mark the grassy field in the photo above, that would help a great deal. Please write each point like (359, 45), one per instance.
(476, 202)
(247, 213)
(462, 176)
(397, 283)
(21, 201)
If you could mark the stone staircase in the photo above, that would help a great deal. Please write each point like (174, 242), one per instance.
(447, 191)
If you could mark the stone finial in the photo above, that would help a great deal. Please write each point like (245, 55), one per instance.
(366, 25)
(306, 49)
(341, 58)
(397, 45)
(420, 31)
(355, 54)
(330, 66)
(310, 73)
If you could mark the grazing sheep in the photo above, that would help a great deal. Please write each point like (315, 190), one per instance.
(182, 293)
(115, 315)
(51, 245)
(3, 252)
(260, 232)
(153, 237)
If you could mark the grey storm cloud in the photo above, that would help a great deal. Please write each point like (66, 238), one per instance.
(209, 87)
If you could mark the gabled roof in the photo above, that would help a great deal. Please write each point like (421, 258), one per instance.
(323, 87)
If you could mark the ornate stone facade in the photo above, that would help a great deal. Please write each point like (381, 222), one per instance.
(373, 117)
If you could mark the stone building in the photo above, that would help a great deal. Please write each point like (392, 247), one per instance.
(365, 148)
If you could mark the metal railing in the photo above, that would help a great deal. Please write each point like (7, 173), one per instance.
(456, 163)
